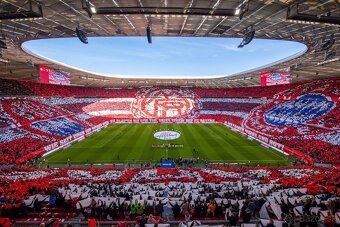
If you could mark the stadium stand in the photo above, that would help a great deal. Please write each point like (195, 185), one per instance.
(49, 90)
(61, 126)
(291, 114)
(233, 194)
(233, 105)
(13, 88)
(253, 143)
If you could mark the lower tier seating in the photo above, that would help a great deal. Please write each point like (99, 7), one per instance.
(233, 194)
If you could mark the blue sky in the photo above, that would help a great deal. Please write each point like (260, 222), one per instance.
(166, 57)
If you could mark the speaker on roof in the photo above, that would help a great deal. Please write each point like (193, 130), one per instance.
(3, 45)
(148, 34)
(248, 37)
(82, 35)
(329, 54)
(325, 44)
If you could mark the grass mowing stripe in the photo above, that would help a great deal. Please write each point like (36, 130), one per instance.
(141, 144)
(223, 137)
(249, 145)
(149, 141)
(101, 137)
(78, 153)
(173, 153)
(122, 146)
(106, 153)
(133, 143)
(211, 146)
(189, 143)
(229, 151)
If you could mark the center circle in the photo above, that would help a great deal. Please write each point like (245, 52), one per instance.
(167, 135)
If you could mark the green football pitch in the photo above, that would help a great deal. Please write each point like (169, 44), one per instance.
(125, 143)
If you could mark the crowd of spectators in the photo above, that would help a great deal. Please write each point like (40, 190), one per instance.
(21, 130)
(27, 110)
(277, 112)
(303, 124)
(60, 126)
(10, 88)
(15, 149)
(329, 87)
(229, 106)
(234, 194)
(50, 90)
(6, 121)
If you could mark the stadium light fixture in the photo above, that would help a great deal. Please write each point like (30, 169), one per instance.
(2, 60)
(92, 8)
(159, 12)
(34, 12)
(89, 7)
(5, 61)
(242, 8)
(296, 12)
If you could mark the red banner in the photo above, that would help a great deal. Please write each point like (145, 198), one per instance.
(274, 78)
(51, 76)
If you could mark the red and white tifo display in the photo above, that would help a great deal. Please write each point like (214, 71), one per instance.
(302, 190)
(152, 103)
(164, 103)
(303, 118)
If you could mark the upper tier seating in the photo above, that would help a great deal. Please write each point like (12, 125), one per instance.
(328, 87)
(12, 88)
(49, 90)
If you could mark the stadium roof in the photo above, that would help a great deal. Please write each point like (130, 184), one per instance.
(312, 22)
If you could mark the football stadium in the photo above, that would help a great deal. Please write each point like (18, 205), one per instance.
(169, 113)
